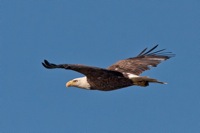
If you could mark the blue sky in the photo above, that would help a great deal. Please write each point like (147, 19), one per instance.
(99, 33)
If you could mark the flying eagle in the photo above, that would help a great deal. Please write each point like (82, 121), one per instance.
(122, 74)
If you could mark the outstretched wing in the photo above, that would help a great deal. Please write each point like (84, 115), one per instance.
(90, 72)
(145, 60)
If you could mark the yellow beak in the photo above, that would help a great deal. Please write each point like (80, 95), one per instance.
(70, 83)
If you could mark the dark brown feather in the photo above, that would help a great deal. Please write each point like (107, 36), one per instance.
(88, 71)
(98, 78)
(146, 59)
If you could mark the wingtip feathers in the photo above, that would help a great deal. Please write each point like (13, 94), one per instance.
(159, 52)
(46, 64)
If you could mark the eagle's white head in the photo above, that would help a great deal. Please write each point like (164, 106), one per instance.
(79, 82)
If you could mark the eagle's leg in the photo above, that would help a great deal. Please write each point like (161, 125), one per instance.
(144, 81)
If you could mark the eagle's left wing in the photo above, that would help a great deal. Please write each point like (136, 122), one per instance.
(145, 60)
(89, 71)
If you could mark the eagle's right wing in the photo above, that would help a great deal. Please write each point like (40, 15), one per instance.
(145, 60)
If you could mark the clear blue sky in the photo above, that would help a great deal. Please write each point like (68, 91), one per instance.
(35, 100)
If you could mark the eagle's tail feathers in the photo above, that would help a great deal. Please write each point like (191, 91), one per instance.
(144, 81)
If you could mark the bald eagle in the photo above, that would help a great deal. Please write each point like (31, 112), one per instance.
(122, 74)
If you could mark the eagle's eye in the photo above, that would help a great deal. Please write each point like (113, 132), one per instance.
(75, 81)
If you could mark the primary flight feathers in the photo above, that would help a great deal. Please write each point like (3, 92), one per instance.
(123, 73)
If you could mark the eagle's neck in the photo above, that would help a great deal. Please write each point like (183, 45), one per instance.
(83, 83)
